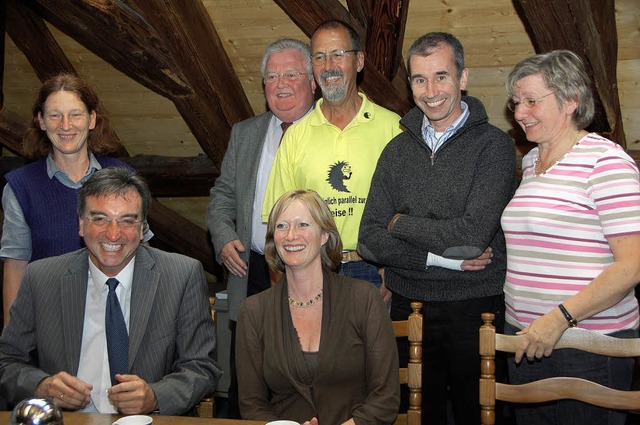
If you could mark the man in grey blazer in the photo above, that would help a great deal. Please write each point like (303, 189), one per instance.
(55, 344)
(234, 213)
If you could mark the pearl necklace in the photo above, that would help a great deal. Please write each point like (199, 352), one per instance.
(304, 304)
(536, 164)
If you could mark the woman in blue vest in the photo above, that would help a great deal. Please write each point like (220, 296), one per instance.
(69, 133)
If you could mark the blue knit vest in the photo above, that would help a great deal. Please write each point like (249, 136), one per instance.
(49, 208)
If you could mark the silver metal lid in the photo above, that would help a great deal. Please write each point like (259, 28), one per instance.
(37, 411)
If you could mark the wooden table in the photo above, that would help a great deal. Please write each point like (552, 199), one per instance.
(75, 418)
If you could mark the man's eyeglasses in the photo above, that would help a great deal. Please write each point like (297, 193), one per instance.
(72, 116)
(123, 223)
(337, 56)
(529, 102)
(273, 77)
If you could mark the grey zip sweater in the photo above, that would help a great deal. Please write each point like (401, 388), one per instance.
(452, 202)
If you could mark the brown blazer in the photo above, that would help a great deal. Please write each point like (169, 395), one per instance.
(357, 372)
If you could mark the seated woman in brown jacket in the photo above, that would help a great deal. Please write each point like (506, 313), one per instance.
(317, 346)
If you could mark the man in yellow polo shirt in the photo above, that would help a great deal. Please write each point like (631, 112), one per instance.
(335, 148)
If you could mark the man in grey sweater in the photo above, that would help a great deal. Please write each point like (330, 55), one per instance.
(432, 219)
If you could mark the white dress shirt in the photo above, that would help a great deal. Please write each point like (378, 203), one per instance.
(94, 360)
(268, 154)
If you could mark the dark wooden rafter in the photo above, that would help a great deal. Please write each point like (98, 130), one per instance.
(118, 35)
(12, 127)
(185, 237)
(160, 45)
(587, 27)
(218, 100)
(176, 177)
(308, 14)
(173, 177)
(170, 228)
(385, 23)
(30, 34)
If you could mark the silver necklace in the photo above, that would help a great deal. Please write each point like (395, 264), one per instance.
(536, 164)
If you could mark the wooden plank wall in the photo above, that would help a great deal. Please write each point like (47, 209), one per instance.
(493, 36)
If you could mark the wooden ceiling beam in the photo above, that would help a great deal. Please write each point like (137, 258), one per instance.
(588, 28)
(120, 36)
(218, 100)
(30, 33)
(308, 14)
(187, 238)
(385, 23)
(176, 177)
(172, 177)
(12, 127)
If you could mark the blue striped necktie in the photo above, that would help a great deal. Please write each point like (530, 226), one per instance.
(116, 331)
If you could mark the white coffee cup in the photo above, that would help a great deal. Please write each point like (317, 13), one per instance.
(282, 423)
(134, 420)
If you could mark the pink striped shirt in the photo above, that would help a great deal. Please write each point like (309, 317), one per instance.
(556, 228)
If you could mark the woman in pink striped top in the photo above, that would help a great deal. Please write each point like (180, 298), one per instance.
(573, 237)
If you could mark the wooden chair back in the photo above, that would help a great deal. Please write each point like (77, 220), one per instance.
(412, 374)
(551, 389)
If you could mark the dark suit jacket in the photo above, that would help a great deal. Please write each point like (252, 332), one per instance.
(171, 333)
(231, 206)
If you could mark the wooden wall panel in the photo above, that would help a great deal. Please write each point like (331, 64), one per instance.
(246, 28)
(629, 92)
(628, 26)
(20, 81)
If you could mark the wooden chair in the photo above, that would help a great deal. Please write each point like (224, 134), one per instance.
(551, 389)
(412, 374)
(207, 406)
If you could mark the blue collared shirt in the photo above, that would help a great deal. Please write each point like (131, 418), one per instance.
(435, 141)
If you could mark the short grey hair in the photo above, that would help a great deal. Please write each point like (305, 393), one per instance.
(114, 181)
(425, 45)
(284, 44)
(564, 73)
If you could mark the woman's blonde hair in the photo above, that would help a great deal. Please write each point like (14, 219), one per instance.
(331, 251)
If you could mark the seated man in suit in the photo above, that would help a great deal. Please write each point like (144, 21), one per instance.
(116, 326)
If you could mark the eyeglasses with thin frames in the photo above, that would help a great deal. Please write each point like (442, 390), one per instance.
(529, 102)
(123, 223)
(337, 56)
(273, 77)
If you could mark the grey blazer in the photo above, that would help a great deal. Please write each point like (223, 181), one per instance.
(171, 333)
(231, 206)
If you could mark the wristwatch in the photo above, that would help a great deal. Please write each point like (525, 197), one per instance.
(572, 322)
